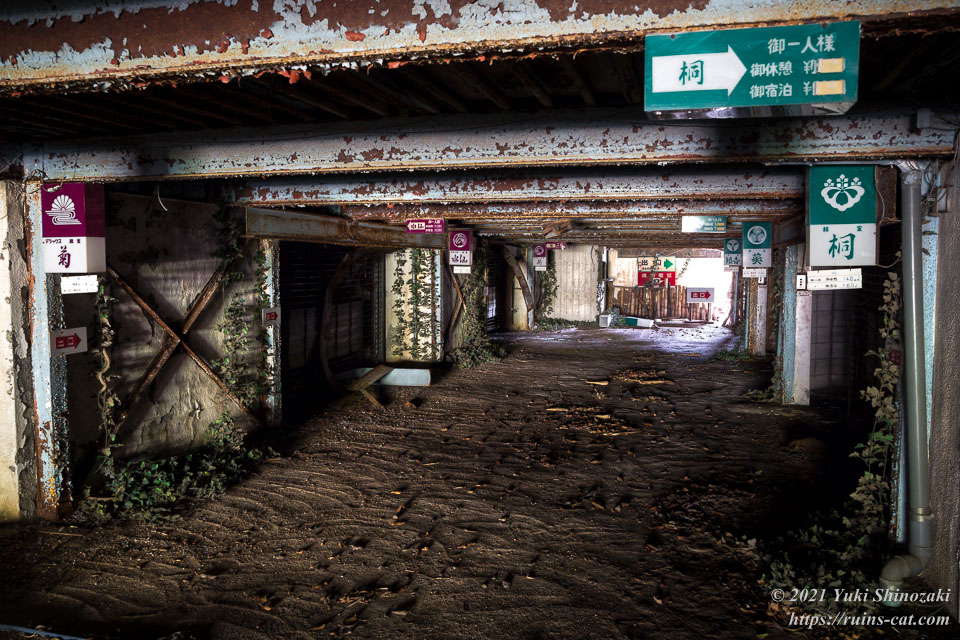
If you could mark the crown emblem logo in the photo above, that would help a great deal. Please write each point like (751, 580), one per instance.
(843, 194)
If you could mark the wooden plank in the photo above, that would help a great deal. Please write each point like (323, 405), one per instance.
(369, 396)
(369, 377)
(203, 298)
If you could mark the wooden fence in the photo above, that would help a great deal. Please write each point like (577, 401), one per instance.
(664, 303)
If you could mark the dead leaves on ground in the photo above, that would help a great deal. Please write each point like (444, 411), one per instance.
(643, 376)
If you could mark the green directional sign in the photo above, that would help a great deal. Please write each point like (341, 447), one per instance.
(764, 66)
(656, 263)
(842, 215)
(703, 224)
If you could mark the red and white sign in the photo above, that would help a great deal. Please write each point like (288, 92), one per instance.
(460, 244)
(660, 278)
(554, 246)
(271, 317)
(540, 256)
(426, 225)
(700, 294)
(73, 228)
(67, 341)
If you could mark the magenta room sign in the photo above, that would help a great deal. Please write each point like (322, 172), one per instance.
(73, 228)
(426, 225)
(72, 210)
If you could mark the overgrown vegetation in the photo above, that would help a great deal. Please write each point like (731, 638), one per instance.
(732, 356)
(230, 248)
(617, 319)
(544, 293)
(556, 324)
(845, 548)
(475, 346)
(149, 489)
(244, 366)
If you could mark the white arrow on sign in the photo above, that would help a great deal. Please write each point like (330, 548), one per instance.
(697, 72)
(701, 294)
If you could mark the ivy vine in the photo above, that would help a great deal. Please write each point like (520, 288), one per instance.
(230, 248)
(412, 292)
(475, 345)
(398, 341)
(545, 292)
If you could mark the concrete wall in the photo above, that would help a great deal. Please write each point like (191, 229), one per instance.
(431, 309)
(167, 256)
(944, 569)
(18, 473)
(622, 270)
(578, 269)
(518, 319)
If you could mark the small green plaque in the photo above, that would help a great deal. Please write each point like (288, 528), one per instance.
(703, 224)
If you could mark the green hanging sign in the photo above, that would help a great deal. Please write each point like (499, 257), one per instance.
(732, 256)
(842, 215)
(757, 245)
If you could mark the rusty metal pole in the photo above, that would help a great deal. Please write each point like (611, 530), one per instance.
(49, 374)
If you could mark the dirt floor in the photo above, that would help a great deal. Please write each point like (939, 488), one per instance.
(515, 500)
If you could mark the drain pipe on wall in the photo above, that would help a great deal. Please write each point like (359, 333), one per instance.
(920, 531)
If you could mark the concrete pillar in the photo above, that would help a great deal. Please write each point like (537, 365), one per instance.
(49, 375)
(271, 254)
(17, 457)
(757, 310)
(943, 268)
(795, 323)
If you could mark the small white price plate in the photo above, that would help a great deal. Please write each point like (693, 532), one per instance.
(78, 284)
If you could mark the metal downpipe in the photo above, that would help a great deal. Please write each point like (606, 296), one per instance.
(920, 532)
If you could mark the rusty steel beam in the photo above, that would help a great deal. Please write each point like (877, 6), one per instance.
(306, 227)
(546, 210)
(106, 44)
(594, 137)
(528, 187)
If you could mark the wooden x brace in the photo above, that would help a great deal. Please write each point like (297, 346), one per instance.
(172, 340)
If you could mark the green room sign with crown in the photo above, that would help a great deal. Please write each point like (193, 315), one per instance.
(842, 215)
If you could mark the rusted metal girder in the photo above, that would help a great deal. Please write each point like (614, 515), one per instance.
(609, 237)
(545, 185)
(582, 138)
(306, 227)
(111, 43)
(613, 210)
